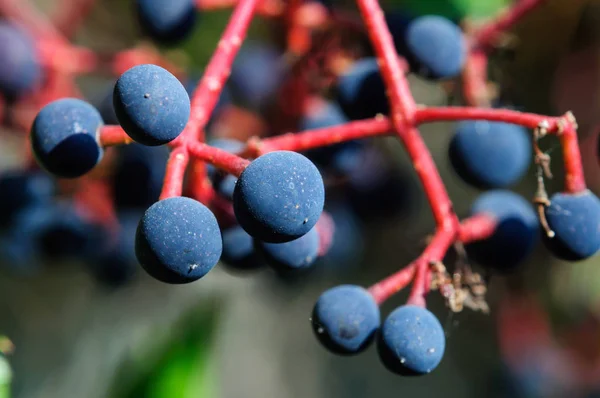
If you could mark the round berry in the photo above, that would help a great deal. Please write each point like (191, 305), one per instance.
(490, 154)
(435, 47)
(575, 220)
(238, 249)
(166, 21)
(293, 255)
(279, 197)
(151, 104)
(22, 189)
(516, 233)
(64, 137)
(361, 91)
(138, 175)
(178, 240)
(20, 70)
(345, 319)
(411, 341)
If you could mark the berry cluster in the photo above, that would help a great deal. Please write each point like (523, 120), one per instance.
(261, 201)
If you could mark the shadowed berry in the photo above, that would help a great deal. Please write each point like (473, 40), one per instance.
(435, 47)
(411, 341)
(22, 189)
(151, 104)
(490, 154)
(279, 197)
(238, 249)
(138, 176)
(575, 220)
(361, 91)
(166, 21)
(345, 319)
(64, 137)
(178, 240)
(516, 234)
(20, 70)
(293, 255)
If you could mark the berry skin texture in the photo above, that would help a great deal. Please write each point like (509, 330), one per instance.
(178, 240)
(434, 47)
(361, 91)
(575, 220)
(516, 234)
(166, 21)
(490, 155)
(279, 197)
(64, 137)
(411, 341)
(297, 254)
(151, 104)
(20, 71)
(345, 319)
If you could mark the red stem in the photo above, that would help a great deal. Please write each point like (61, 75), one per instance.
(267, 8)
(70, 15)
(486, 35)
(475, 79)
(221, 159)
(310, 139)
(113, 135)
(574, 177)
(478, 227)
(176, 165)
(65, 57)
(435, 251)
(392, 68)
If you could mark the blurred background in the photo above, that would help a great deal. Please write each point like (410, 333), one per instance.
(232, 335)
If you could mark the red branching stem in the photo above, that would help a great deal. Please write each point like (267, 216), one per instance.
(221, 159)
(70, 15)
(209, 89)
(176, 165)
(199, 185)
(435, 251)
(430, 178)
(486, 35)
(451, 113)
(574, 177)
(475, 79)
(113, 135)
(392, 68)
(477, 227)
(317, 138)
(326, 229)
(66, 58)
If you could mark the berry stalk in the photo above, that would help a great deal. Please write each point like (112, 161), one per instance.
(174, 175)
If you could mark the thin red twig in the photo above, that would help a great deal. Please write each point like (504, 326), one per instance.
(113, 135)
(176, 165)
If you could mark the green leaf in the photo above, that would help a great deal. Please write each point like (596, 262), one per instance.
(452, 9)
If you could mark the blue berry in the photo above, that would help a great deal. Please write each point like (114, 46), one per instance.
(345, 319)
(22, 189)
(361, 91)
(20, 70)
(516, 234)
(411, 342)
(166, 21)
(490, 154)
(256, 74)
(178, 240)
(138, 176)
(64, 137)
(151, 104)
(117, 264)
(238, 249)
(293, 255)
(575, 220)
(279, 197)
(435, 47)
